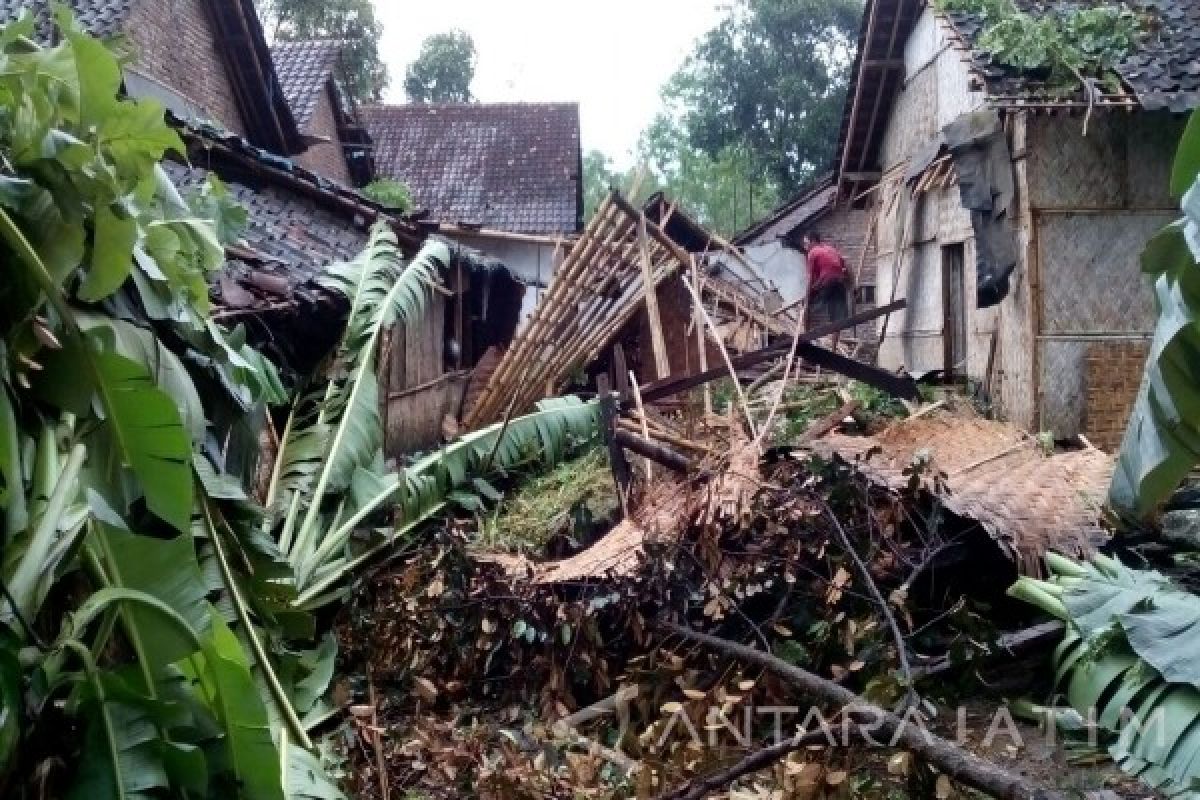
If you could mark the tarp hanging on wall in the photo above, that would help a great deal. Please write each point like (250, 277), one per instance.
(985, 182)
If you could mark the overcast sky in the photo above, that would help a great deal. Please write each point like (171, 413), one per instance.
(611, 56)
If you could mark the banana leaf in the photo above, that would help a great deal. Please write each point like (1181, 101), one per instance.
(1130, 660)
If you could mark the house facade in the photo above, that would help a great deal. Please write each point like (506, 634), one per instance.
(1010, 215)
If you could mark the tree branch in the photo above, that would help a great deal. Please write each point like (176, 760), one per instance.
(957, 763)
(910, 695)
(700, 788)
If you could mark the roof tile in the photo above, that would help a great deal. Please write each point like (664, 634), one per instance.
(1163, 72)
(508, 166)
(304, 68)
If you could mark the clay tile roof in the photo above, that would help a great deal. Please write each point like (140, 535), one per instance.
(304, 68)
(506, 166)
(101, 18)
(1163, 72)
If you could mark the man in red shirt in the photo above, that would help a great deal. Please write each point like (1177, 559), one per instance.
(827, 283)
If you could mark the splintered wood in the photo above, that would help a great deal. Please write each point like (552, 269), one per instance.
(1027, 500)
(669, 507)
(598, 288)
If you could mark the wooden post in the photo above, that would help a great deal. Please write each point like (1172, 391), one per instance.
(622, 474)
(701, 342)
(637, 396)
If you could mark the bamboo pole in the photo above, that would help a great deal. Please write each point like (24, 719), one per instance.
(657, 340)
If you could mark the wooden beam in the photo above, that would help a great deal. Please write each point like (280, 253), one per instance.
(666, 388)
(653, 451)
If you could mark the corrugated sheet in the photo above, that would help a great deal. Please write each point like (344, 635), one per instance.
(507, 166)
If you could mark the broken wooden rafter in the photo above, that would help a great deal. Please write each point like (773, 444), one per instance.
(652, 450)
(900, 386)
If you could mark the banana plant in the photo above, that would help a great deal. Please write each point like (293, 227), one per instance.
(335, 427)
(1162, 441)
(1130, 660)
(423, 490)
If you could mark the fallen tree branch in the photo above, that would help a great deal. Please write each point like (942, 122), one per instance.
(1009, 645)
(700, 788)
(910, 695)
(957, 763)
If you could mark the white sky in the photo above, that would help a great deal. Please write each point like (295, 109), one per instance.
(610, 56)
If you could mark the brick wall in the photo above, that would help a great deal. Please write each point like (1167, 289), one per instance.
(326, 159)
(1114, 373)
(174, 42)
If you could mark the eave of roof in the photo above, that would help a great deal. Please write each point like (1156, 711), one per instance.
(806, 206)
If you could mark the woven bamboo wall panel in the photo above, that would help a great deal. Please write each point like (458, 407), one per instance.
(1062, 387)
(1069, 170)
(954, 221)
(1091, 279)
(914, 119)
(1114, 375)
(1152, 142)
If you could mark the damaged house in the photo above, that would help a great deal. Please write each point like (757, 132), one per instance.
(1008, 212)
(286, 141)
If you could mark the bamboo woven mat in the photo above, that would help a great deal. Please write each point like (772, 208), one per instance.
(1029, 502)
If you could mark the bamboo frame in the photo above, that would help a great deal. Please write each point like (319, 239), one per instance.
(604, 279)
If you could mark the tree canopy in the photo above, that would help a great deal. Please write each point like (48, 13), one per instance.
(366, 75)
(750, 117)
(443, 71)
(769, 81)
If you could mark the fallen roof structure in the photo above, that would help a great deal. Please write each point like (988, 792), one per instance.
(1028, 501)
(600, 285)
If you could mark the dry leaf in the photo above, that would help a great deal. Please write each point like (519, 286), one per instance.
(834, 778)
(900, 764)
(943, 788)
(671, 708)
(426, 689)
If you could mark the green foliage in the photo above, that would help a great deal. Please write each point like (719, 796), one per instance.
(765, 87)
(567, 500)
(1162, 442)
(364, 73)
(1068, 43)
(389, 193)
(107, 451)
(1130, 656)
(443, 71)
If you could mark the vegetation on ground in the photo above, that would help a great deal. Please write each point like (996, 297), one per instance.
(1129, 664)
(156, 627)
(571, 500)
